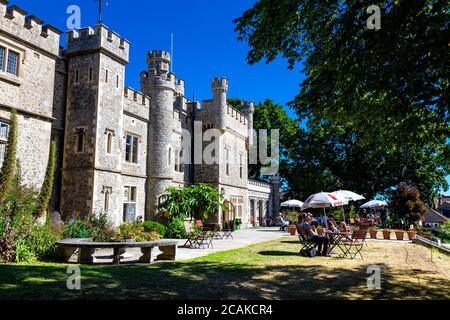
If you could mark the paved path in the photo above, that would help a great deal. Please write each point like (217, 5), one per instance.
(241, 238)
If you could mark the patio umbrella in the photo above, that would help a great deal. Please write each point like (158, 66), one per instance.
(324, 200)
(292, 204)
(349, 196)
(373, 204)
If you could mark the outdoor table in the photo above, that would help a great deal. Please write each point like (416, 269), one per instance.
(336, 239)
(214, 229)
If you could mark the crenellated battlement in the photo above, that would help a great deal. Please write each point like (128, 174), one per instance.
(136, 96)
(248, 107)
(220, 85)
(15, 21)
(237, 115)
(98, 38)
(159, 54)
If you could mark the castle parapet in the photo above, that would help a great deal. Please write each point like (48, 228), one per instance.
(98, 38)
(31, 29)
(136, 96)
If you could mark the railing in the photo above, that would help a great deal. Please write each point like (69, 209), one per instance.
(259, 183)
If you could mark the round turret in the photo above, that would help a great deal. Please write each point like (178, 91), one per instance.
(220, 85)
(159, 61)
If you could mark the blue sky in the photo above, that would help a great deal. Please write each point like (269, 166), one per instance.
(205, 43)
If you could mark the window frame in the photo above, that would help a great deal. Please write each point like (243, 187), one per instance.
(107, 199)
(3, 142)
(128, 200)
(3, 58)
(238, 203)
(134, 148)
(109, 141)
(227, 160)
(80, 133)
(178, 161)
(241, 165)
(5, 62)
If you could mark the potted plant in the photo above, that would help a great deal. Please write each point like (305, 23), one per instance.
(399, 234)
(292, 229)
(386, 234)
(411, 233)
(373, 232)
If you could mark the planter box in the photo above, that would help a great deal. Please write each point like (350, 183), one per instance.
(373, 234)
(411, 235)
(292, 230)
(387, 235)
(399, 234)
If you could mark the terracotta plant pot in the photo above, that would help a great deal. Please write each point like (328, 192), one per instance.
(399, 234)
(373, 234)
(292, 230)
(386, 234)
(411, 234)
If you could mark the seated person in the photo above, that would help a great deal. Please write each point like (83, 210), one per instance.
(343, 227)
(310, 234)
(282, 223)
(370, 217)
(333, 225)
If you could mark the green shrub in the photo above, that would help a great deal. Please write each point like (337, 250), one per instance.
(43, 239)
(47, 187)
(100, 229)
(442, 234)
(446, 225)
(154, 226)
(175, 229)
(9, 165)
(24, 252)
(147, 236)
(78, 229)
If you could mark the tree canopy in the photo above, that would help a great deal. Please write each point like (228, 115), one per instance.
(269, 115)
(374, 102)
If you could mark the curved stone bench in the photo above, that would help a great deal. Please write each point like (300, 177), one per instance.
(86, 248)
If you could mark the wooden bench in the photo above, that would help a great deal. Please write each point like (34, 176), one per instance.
(86, 248)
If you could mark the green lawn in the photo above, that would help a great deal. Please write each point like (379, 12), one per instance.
(270, 270)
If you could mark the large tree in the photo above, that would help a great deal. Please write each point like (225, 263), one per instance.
(269, 116)
(375, 102)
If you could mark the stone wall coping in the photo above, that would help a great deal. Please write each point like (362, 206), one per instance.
(87, 243)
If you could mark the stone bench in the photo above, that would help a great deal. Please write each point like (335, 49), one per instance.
(86, 249)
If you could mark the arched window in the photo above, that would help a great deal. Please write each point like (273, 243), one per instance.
(107, 198)
(181, 165)
(109, 142)
(169, 157)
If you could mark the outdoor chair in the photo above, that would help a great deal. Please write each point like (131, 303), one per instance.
(354, 244)
(196, 237)
(307, 245)
(227, 231)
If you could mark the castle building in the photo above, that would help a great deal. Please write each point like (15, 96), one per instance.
(119, 149)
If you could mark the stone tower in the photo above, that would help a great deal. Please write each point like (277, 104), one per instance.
(248, 109)
(163, 88)
(219, 103)
(94, 124)
(275, 195)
